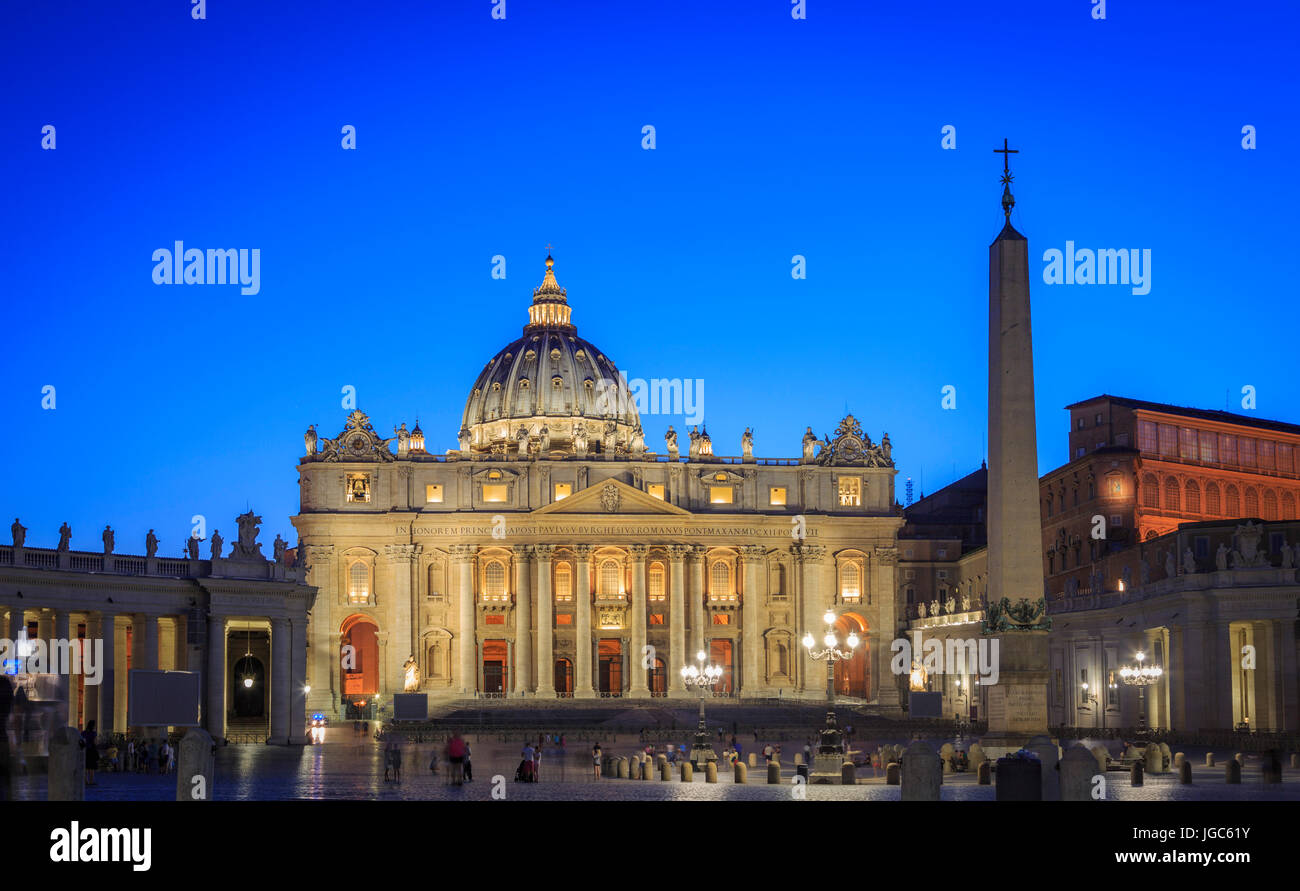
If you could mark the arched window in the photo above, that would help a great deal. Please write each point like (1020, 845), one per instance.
(1234, 502)
(1270, 504)
(1171, 494)
(1252, 502)
(1049, 504)
(563, 582)
(1150, 491)
(1212, 506)
(1288, 506)
(1193, 495)
(720, 575)
(850, 581)
(609, 579)
(494, 580)
(359, 583)
(655, 581)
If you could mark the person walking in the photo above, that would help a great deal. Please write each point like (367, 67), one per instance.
(537, 764)
(469, 768)
(456, 758)
(595, 758)
(397, 761)
(767, 753)
(130, 756)
(92, 752)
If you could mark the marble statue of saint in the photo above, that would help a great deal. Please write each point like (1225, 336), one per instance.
(403, 439)
(965, 602)
(638, 440)
(247, 545)
(1171, 569)
(150, 544)
(580, 438)
(1221, 557)
(1189, 562)
(747, 443)
(545, 435)
(1235, 560)
(611, 438)
(65, 536)
(217, 542)
(412, 672)
(920, 608)
(108, 539)
(1288, 555)
(886, 448)
(20, 533)
(1144, 571)
(464, 439)
(192, 547)
(309, 440)
(809, 443)
(694, 451)
(934, 607)
(278, 547)
(951, 605)
(670, 442)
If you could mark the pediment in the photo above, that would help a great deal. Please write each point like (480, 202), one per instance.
(612, 497)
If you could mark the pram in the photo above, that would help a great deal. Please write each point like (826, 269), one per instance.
(524, 774)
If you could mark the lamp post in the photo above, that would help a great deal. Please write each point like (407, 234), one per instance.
(962, 694)
(832, 742)
(1089, 697)
(1141, 676)
(703, 677)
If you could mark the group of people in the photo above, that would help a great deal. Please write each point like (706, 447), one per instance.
(530, 767)
(459, 767)
(150, 755)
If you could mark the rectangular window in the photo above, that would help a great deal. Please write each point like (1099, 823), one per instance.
(721, 495)
(1081, 423)
(776, 496)
(1097, 420)
(1246, 451)
(1202, 547)
(433, 493)
(943, 573)
(656, 618)
(907, 555)
(563, 618)
(1168, 441)
(563, 491)
(1209, 447)
(721, 619)
(850, 491)
(1147, 437)
(1266, 454)
(1284, 458)
(494, 619)
(1102, 444)
(1116, 520)
(1187, 443)
(1227, 449)
(943, 552)
(656, 490)
(1083, 686)
(1080, 452)
(494, 493)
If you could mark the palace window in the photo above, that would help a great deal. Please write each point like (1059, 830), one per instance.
(1252, 503)
(851, 581)
(776, 496)
(1168, 441)
(721, 619)
(563, 491)
(656, 490)
(1270, 505)
(655, 581)
(494, 581)
(435, 582)
(1209, 447)
(1227, 449)
(433, 493)
(850, 491)
(1212, 500)
(1151, 491)
(563, 582)
(1234, 502)
(721, 495)
(494, 493)
(720, 582)
(1265, 455)
(358, 488)
(610, 584)
(1187, 442)
(1284, 458)
(1192, 494)
(1246, 451)
(656, 618)
(358, 583)
(1147, 441)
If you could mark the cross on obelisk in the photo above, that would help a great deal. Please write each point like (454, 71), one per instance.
(1008, 200)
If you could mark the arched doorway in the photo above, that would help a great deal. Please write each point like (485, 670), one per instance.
(360, 657)
(659, 679)
(496, 673)
(564, 677)
(610, 654)
(248, 694)
(720, 653)
(853, 676)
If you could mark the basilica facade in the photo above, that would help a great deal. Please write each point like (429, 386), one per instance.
(554, 554)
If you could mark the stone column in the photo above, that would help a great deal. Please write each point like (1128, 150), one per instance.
(45, 625)
(639, 676)
(298, 681)
(812, 597)
(695, 597)
(523, 662)
(884, 593)
(90, 708)
(545, 622)
(402, 640)
(148, 658)
(324, 673)
(17, 625)
(120, 688)
(466, 629)
(676, 656)
(102, 628)
(752, 557)
(281, 696)
(214, 716)
(67, 680)
(582, 655)
(1283, 644)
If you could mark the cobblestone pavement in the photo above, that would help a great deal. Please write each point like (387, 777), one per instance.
(350, 767)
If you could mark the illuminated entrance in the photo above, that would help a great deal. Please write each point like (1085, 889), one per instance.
(564, 677)
(248, 693)
(720, 653)
(360, 663)
(659, 679)
(853, 676)
(496, 654)
(611, 667)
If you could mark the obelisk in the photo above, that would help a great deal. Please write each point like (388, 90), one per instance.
(1016, 617)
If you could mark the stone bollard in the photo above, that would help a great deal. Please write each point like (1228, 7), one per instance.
(1240, 758)
(945, 755)
(742, 773)
(1295, 760)
(976, 755)
(893, 775)
(622, 769)
(1232, 771)
(665, 771)
(984, 774)
(1135, 774)
(1154, 760)
(1272, 766)
(1078, 767)
(1179, 760)
(1048, 754)
(1209, 759)
(67, 777)
(661, 759)
(1185, 773)
(773, 773)
(1166, 758)
(753, 759)
(688, 772)
(1102, 754)
(711, 772)
(1019, 779)
(195, 761)
(848, 774)
(922, 773)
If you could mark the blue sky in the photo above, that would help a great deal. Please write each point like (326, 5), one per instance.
(478, 137)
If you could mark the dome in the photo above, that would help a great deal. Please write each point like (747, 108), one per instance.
(563, 391)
